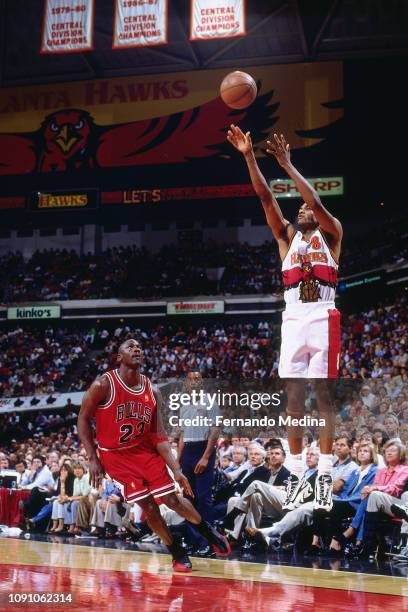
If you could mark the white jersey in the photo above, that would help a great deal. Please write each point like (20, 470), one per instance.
(309, 270)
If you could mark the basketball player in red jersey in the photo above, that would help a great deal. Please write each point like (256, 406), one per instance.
(132, 448)
(310, 346)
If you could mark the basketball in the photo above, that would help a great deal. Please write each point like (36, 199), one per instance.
(238, 90)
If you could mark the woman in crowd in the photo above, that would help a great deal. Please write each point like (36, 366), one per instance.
(64, 491)
(347, 503)
(47, 510)
(380, 438)
(369, 438)
(386, 491)
(78, 500)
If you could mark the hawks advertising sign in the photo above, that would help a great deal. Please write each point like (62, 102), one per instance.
(140, 23)
(184, 308)
(65, 200)
(217, 19)
(160, 119)
(67, 26)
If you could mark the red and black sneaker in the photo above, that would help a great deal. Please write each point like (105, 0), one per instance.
(182, 564)
(219, 543)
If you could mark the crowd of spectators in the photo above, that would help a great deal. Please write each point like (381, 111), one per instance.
(374, 345)
(205, 268)
(370, 484)
(37, 360)
(132, 272)
(375, 342)
(217, 350)
(48, 359)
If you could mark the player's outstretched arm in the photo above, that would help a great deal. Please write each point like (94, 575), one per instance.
(278, 224)
(280, 149)
(97, 393)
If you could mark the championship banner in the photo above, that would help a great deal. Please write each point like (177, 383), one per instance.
(67, 26)
(217, 19)
(140, 23)
(327, 186)
(184, 308)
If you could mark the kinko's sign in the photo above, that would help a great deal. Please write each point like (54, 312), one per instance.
(177, 308)
(34, 312)
(326, 186)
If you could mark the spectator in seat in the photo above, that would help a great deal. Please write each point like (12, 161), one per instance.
(391, 426)
(41, 485)
(259, 496)
(344, 465)
(257, 470)
(370, 439)
(386, 492)
(239, 455)
(380, 438)
(108, 511)
(4, 463)
(367, 396)
(346, 503)
(78, 501)
(64, 491)
(273, 506)
(23, 473)
(225, 462)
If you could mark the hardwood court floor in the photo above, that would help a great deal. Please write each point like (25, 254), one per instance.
(103, 578)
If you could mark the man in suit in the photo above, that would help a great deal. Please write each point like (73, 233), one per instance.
(303, 515)
(270, 502)
(256, 470)
(259, 496)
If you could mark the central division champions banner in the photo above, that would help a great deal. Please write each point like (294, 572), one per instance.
(139, 23)
(67, 26)
(217, 19)
(164, 119)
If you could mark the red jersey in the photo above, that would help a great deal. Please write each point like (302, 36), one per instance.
(129, 417)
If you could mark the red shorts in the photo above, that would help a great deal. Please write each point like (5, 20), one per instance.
(137, 473)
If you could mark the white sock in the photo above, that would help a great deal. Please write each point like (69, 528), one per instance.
(296, 465)
(325, 465)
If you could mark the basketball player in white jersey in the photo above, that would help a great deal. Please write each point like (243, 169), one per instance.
(310, 348)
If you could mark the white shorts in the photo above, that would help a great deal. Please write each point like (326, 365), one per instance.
(310, 341)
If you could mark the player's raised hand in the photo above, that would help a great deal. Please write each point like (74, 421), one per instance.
(183, 482)
(242, 142)
(279, 148)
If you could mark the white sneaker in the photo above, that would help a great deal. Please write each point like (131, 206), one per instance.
(323, 493)
(402, 555)
(297, 491)
(150, 539)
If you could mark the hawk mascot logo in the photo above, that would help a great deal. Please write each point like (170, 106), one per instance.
(70, 139)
